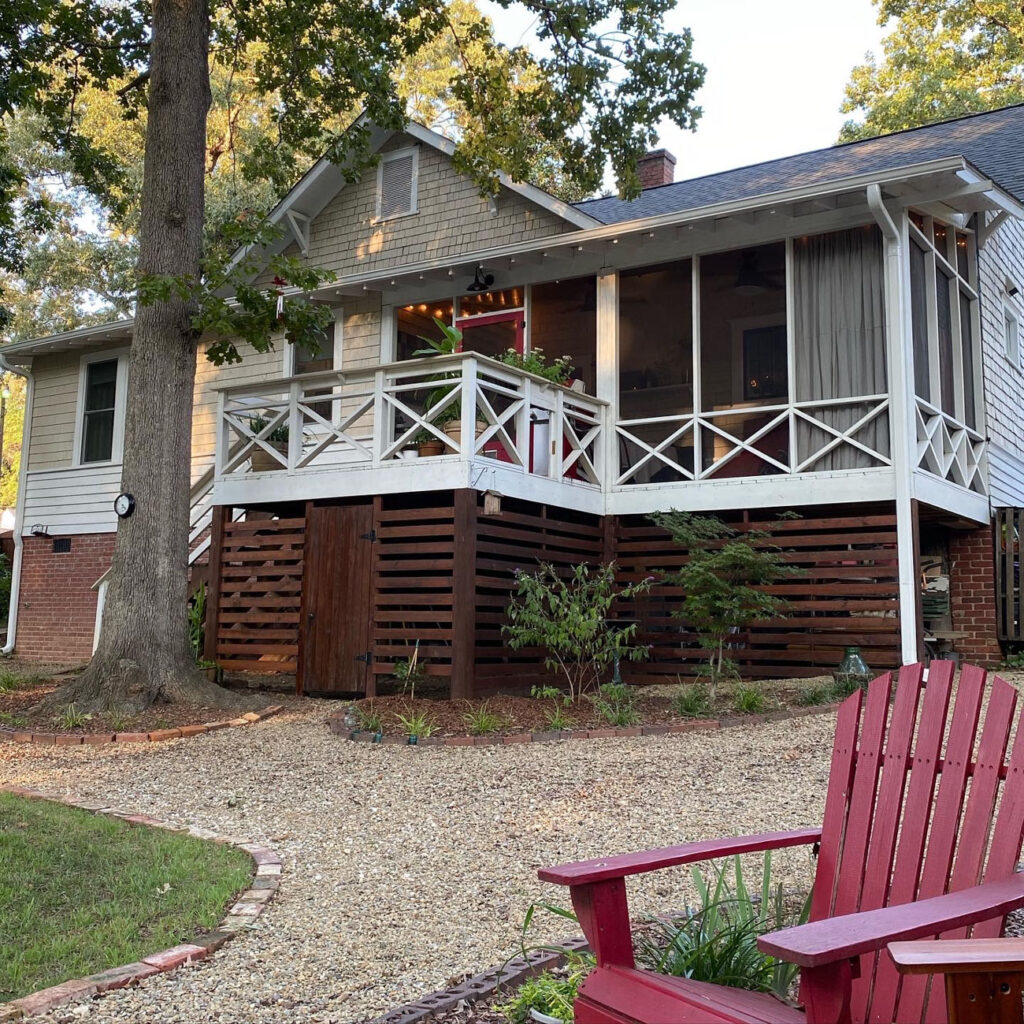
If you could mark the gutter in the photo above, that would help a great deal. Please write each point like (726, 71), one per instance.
(19, 514)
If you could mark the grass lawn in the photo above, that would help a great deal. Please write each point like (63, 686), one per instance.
(82, 892)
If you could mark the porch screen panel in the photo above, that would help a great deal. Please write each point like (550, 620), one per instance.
(967, 352)
(944, 317)
(919, 321)
(563, 322)
(839, 345)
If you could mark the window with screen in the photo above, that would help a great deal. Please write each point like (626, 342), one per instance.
(98, 411)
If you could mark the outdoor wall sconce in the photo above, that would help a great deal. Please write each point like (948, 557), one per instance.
(40, 530)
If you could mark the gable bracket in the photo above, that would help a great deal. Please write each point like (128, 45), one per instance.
(299, 223)
(987, 230)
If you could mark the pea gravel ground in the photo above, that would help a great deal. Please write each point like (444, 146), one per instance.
(406, 869)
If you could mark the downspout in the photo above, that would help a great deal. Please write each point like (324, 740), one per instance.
(19, 514)
(902, 408)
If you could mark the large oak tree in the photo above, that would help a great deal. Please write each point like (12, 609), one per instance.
(605, 73)
(941, 59)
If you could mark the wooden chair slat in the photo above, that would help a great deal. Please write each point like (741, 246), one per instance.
(946, 817)
(932, 714)
(844, 754)
(1008, 831)
(862, 798)
(888, 808)
(977, 819)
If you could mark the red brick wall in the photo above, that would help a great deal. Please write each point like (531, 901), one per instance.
(972, 587)
(57, 605)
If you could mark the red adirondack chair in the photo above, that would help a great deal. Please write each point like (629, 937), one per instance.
(915, 843)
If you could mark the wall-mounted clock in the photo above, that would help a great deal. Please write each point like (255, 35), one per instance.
(124, 505)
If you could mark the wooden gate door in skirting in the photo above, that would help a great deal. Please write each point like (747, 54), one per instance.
(336, 600)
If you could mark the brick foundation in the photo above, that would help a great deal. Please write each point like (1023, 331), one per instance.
(972, 587)
(57, 605)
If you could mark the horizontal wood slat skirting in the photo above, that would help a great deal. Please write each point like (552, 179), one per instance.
(443, 573)
(258, 594)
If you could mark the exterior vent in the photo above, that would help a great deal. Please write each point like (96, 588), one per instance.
(61, 545)
(396, 184)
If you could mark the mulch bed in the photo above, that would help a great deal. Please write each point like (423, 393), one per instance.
(18, 709)
(654, 705)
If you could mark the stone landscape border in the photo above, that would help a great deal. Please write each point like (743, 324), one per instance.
(512, 973)
(339, 728)
(89, 739)
(247, 907)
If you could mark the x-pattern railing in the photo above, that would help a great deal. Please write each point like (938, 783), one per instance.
(948, 448)
(376, 416)
(775, 441)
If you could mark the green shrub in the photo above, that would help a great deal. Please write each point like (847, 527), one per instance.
(749, 700)
(6, 577)
(548, 993)
(197, 622)
(568, 614)
(716, 942)
(481, 721)
(693, 701)
(118, 720)
(616, 704)
(8, 680)
(557, 717)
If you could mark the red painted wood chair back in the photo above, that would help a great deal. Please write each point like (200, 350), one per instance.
(921, 801)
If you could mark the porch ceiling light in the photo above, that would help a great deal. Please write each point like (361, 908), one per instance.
(481, 281)
(750, 280)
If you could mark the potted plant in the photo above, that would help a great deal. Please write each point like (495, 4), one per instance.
(449, 418)
(535, 362)
(427, 445)
(262, 461)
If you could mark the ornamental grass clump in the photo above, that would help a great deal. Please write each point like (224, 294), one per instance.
(568, 614)
(482, 721)
(716, 942)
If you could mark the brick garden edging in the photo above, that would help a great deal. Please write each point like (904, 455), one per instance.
(338, 727)
(512, 974)
(248, 906)
(73, 739)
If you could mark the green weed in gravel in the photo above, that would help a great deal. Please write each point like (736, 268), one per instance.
(81, 892)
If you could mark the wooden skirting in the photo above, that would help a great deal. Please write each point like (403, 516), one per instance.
(442, 571)
(256, 600)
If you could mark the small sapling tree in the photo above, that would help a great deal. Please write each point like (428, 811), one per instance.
(723, 581)
(567, 614)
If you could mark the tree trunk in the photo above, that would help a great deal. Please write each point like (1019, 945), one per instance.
(143, 654)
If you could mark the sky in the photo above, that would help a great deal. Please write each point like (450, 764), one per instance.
(775, 75)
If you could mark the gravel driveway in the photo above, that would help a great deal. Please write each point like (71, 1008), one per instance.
(406, 868)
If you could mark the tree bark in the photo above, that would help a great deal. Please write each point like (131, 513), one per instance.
(143, 653)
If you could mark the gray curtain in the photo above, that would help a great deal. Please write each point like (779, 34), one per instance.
(839, 335)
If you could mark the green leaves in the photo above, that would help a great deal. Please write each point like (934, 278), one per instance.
(723, 580)
(943, 59)
(568, 614)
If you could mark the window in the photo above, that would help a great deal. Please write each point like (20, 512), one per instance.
(1011, 332)
(99, 407)
(943, 302)
(396, 184)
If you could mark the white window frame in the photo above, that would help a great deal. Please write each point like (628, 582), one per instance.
(336, 331)
(1012, 347)
(398, 154)
(120, 385)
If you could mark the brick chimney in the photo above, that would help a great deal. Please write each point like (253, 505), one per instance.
(658, 167)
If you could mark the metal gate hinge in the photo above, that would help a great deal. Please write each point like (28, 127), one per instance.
(371, 536)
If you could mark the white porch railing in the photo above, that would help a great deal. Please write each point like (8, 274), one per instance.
(949, 449)
(471, 407)
(756, 440)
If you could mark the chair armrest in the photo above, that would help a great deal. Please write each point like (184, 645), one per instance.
(839, 938)
(585, 872)
(959, 956)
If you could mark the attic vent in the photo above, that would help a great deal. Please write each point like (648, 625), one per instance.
(61, 545)
(396, 184)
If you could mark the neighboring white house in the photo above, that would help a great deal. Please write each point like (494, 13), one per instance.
(836, 333)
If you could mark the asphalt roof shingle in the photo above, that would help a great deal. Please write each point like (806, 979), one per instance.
(991, 141)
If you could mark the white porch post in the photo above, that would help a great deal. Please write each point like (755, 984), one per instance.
(902, 409)
(608, 372)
